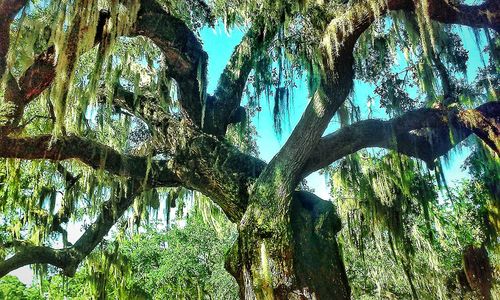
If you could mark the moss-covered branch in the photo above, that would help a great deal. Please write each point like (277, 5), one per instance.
(184, 56)
(336, 83)
(146, 108)
(424, 133)
(222, 108)
(93, 154)
(69, 258)
(336, 61)
(36, 79)
(11, 108)
(485, 15)
(29, 254)
(201, 161)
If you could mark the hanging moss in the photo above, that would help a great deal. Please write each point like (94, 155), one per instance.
(389, 187)
(407, 223)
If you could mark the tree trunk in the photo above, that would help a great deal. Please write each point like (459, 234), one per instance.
(289, 254)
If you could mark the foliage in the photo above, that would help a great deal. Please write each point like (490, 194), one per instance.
(182, 262)
(389, 203)
(405, 244)
(12, 288)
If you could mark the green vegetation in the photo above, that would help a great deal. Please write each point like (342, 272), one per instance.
(12, 288)
(187, 262)
(184, 262)
(401, 244)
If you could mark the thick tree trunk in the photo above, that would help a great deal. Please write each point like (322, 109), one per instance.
(290, 255)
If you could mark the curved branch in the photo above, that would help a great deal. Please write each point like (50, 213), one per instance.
(184, 55)
(400, 134)
(10, 108)
(485, 15)
(32, 83)
(29, 254)
(69, 258)
(38, 77)
(93, 154)
(336, 84)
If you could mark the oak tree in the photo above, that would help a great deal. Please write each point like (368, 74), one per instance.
(105, 106)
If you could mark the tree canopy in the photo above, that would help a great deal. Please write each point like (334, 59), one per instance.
(105, 117)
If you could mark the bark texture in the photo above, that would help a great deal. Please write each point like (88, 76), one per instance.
(302, 261)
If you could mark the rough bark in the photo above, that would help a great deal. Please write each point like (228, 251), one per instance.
(478, 271)
(223, 108)
(399, 134)
(184, 56)
(272, 248)
(93, 154)
(483, 15)
(214, 167)
(302, 261)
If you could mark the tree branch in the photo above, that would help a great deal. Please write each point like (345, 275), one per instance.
(400, 134)
(69, 258)
(93, 154)
(38, 77)
(336, 84)
(485, 15)
(8, 10)
(29, 254)
(225, 104)
(337, 79)
(146, 108)
(184, 55)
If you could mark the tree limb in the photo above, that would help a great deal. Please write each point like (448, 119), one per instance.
(69, 258)
(337, 79)
(226, 101)
(32, 83)
(445, 129)
(485, 15)
(184, 56)
(29, 254)
(335, 86)
(8, 10)
(93, 154)
(146, 108)
(38, 77)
